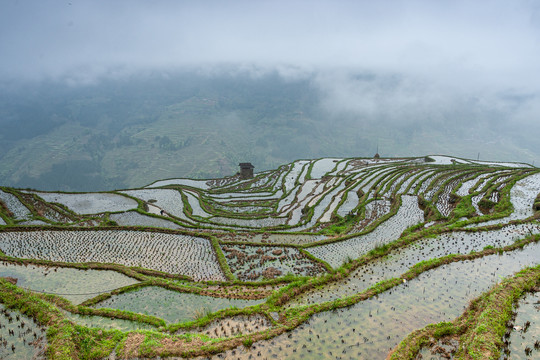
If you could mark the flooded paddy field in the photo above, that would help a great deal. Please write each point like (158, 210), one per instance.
(522, 196)
(255, 262)
(167, 200)
(250, 223)
(195, 205)
(133, 218)
(73, 284)
(15, 206)
(337, 253)
(399, 261)
(269, 238)
(242, 208)
(228, 327)
(200, 184)
(171, 306)
(90, 203)
(102, 322)
(374, 210)
(175, 254)
(289, 237)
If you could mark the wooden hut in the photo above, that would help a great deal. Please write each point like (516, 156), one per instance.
(246, 170)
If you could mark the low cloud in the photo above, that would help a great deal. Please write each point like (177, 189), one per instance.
(456, 63)
(493, 42)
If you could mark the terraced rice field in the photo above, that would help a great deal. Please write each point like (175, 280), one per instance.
(370, 329)
(168, 201)
(93, 203)
(232, 326)
(16, 208)
(326, 258)
(175, 254)
(73, 284)
(172, 306)
(106, 323)
(133, 218)
(337, 253)
(269, 262)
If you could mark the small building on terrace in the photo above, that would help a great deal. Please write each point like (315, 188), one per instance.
(246, 170)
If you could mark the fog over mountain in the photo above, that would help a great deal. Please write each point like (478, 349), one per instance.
(100, 95)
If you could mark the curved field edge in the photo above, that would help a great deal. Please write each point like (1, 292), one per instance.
(342, 225)
(409, 236)
(481, 327)
(149, 277)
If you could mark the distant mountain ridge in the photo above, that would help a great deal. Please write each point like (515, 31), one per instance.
(127, 133)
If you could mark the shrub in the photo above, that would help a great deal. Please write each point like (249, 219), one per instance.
(248, 342)
(536, 205)
(486, 204)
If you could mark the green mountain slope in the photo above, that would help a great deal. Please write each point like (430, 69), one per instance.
(126, 133)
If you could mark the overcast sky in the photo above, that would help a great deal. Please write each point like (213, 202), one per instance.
(492, 42)
(417, 58)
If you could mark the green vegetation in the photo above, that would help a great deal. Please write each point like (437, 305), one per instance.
(464, 208)
(536, 205)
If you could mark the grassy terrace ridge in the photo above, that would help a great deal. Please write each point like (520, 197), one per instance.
(309, 196)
